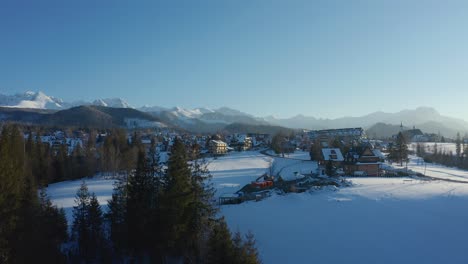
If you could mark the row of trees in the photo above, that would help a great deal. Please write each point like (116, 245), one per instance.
(159, 217)
(113, 154)
(448, 158)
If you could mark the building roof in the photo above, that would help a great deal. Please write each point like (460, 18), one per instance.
(333, 154)
(218, 142)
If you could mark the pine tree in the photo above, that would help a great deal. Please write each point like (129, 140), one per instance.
(61, 164)
(401, 148)
(11, 188)
(202, 207)
(220, 245)
(51, 224)
(251, 250)
(117, 217)
(458, 148)
(96, 232)
(178, 197)
(81, 226)
(141, 205)
(245, 251)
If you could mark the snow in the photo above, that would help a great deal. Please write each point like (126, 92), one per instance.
(187, 113)
(376, 220)
(328, 154)
(435, 170)
(112, 102)
(63, 193)
(231, 172)
(379, 220)
(30, 99)
(142, 123)
(429, 147)
(302, 155)
(290, 169)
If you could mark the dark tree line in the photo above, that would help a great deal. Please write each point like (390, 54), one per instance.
(48, 163)
(31, 228)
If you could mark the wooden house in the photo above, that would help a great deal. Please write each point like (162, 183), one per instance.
(362, 162)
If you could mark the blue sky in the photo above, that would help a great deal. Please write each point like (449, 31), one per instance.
(319, 58)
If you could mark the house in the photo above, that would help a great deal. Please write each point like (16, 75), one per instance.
(241, 142)
(331, 154)
(217, 147)
(363, 161)
(328, 155)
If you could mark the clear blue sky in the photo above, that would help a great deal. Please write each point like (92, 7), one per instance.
(320, 58)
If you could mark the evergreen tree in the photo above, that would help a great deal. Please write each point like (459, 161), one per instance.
(458, 148)
(96, 231)
(401, 148)
(52, 226)
(252, 255)
(81, 225)
(25, 219)
(87, 228)
(141, 206)
(245, 251)
(61, 164)
(117, 217)
(220, 245)
(202, 207)
(12, 182)
(176, 201)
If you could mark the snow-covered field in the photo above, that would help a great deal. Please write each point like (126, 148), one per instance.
(231, 172)
(429, 147)
(377, 220)
(302, 155)
(63, 193)
(435, 170)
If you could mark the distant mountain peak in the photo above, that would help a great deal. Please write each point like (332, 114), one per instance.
(112, 102)
(427, 110)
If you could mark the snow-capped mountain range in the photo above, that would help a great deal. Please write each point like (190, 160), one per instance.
(39, 100)
(212, 120)
(36, 100)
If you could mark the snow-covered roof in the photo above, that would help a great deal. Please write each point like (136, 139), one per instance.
(218, 142)
(378, 153)
(333, 154)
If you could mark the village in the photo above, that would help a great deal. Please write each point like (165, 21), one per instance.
(297, 162)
